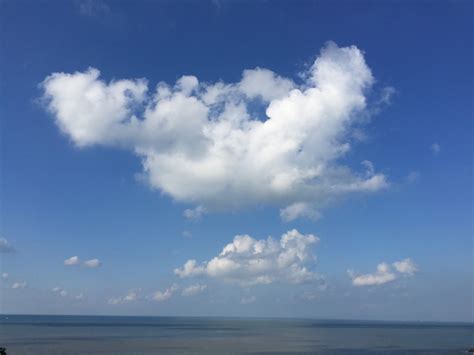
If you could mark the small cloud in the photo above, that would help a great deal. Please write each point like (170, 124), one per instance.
(187, 234)
(194, 214)
(193, 290)
(299, 210)
(93, 8)
(310, 295)
(412, 177)
(114, 301)
(73, 260)
(5, 275)
(5, 246)
(161, 296)
(131, 296)
(380, 277)
(435, 148)
(19, 285)
(386, 95)
(248, 299)
(384, 273)
(406, 266)
(60, 291)
(79, 297)
(92, 263)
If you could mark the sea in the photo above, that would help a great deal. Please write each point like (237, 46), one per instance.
(53, 335)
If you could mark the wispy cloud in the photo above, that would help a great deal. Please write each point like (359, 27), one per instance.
(193, 290)
(435, 148)
(92, 263)
(5, 246)
(20, 284)
(93, 8)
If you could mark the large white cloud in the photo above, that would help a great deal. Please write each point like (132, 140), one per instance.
(206, 144)
(247, 261)
(384, 273)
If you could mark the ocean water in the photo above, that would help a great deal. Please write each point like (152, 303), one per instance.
(53, 335)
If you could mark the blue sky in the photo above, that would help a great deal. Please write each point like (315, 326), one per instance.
(385, 176)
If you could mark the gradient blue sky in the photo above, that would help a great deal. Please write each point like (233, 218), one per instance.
(58, 200)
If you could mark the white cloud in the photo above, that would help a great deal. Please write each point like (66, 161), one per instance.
(406, 266)
(247, 261)
(19, 284)
(93, 8)
(60, 291)
(161, 296)
(131, 296)
(5, 275)
(114, 300)
(187, 234)
(298, 210)
(248, 299)
(310, 295)
(193, 290)
(73, 260)
(5, 246)
(92, 263)
(384, 273)
(79, 297)
(412, 177)
(194, 214)
(204, 144)
(435, 148)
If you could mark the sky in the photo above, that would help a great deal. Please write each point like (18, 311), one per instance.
(233, 158)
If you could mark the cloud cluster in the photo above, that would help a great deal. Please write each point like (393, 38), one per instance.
(75, 260)
(247, 261)
(384, 273)
(262, 140)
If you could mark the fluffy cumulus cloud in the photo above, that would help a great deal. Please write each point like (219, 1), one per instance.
(247, 261)
(384, 273)
(262, 140)
(5, 246)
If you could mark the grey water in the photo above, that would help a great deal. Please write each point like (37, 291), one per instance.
(52, 335)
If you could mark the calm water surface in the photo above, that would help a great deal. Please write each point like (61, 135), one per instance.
(168, 335)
